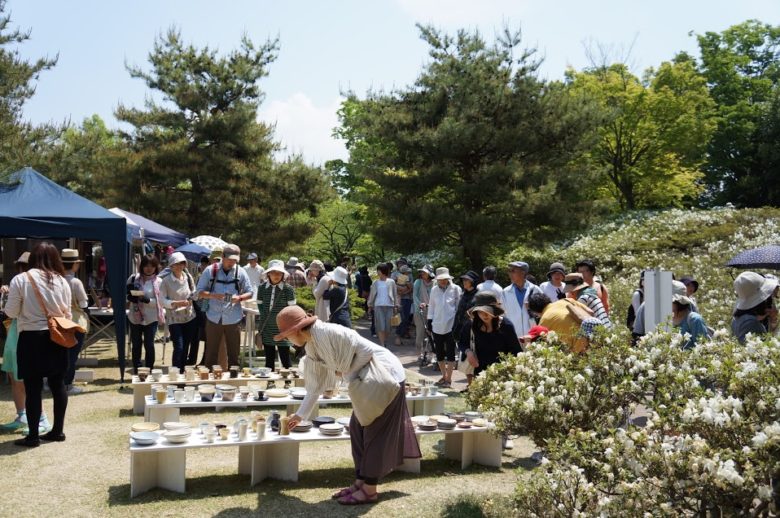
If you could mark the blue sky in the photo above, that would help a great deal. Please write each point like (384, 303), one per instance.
(331, 46)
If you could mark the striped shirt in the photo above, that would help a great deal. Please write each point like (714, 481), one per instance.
(590, 299)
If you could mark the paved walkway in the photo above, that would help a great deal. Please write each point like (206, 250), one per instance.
(408, 355)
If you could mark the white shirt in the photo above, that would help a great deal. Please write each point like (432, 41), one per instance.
(551, 290)
(77, 292)
(443, 306)
(23, 302)
(256, 276)
(493, 286)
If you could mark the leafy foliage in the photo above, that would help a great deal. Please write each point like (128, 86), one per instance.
(654, 131)
(476, 145)
(742, 67)
(201, 161)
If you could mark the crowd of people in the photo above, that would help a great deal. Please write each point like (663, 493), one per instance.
(468, 322)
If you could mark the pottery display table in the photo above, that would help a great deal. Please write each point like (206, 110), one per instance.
(170, 410)
(142, 389)
(276, 456)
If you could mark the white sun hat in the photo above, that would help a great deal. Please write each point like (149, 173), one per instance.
(753, 289)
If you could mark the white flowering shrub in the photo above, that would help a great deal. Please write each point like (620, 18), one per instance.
(710, 440)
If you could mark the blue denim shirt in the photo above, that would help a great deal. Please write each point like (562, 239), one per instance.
(219, 312)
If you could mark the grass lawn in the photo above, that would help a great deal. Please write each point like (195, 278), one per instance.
(88, 474)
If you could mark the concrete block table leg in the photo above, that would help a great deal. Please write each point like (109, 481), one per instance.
(139, 396)
(278, 460)
(410, 466)
(160, 414)
(487, 449)
(245, 460)
(165, 469)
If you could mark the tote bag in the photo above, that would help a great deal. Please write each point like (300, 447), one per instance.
(372, 391)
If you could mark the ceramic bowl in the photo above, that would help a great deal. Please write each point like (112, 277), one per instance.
(176, 425)
(145, 427)
(177, 436)
(479, 422)
(229, 395)
(145, 438)
(298, 393)
(277, 392)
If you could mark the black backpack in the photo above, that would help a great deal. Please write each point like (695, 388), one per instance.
(631, 316)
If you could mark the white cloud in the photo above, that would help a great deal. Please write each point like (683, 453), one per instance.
(462, 12)
(304, 128)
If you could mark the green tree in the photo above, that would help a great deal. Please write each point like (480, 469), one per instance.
(476, 153)
(201, 161)
(21, 143)
(90, 158)
(654, 131)
(742, 67)
(340, 232)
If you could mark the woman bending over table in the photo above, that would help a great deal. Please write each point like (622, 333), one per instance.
(331, 350)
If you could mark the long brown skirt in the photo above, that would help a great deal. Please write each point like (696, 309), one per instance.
(382, 446)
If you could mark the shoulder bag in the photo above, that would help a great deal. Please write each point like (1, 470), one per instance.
(62, 331)
(465, 366)
(372, 391)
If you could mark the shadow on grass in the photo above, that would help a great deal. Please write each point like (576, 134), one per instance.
(272, 492)
(8, 448)
(479, 506)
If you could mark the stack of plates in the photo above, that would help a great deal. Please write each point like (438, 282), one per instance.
(178, 436)
(470, 416)
(418, 419)
(303, 426)
(298, 393)
(438, 417)
(427, 426)
(176, 425)
(480, 422)
(446, 423)
(464, 424)
(331, 429)
(277, 392)
(321, 420)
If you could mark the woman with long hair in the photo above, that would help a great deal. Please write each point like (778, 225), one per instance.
(38, 356)
(146, 309)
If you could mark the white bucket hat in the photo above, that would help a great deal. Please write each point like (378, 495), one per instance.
(678, 288)
(753, 289)
(176, 258)
(275, 265)
(443, 274)
(340, 275)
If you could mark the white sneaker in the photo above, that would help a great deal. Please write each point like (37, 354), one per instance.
(43, 424)
(507, 444)
(73, 390)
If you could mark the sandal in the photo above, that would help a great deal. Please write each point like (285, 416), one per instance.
(351, 500)
(441, 382)
(344, 492)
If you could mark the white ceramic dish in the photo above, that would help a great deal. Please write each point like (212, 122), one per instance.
(177, 436)
(277, 392)
(145, 438)
(175, 425)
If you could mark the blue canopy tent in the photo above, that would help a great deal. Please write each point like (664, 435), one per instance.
(31, 205)
(143, 228)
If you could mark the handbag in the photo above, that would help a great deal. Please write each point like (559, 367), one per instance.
(395, 320)
(62, 331)
(465, 366)
(372, 391)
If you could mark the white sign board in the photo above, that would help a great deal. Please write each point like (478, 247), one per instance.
(658, 300)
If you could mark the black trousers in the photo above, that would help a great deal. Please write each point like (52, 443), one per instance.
(270, 356)
(445, 347)
(38, 358)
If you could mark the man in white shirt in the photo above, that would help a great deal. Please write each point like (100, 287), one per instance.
(515, 298)
(255, 272)
(79, 303)
(489, 274)
(554, 286)
(442, 307)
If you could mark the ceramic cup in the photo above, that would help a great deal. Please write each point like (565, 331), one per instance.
(173, 373)
(247, 372)
(178, 396)
(260, 425)
(210, 434)
(234, 370)
(284, 429)
(205, 425)
(224, 433)
(424, 391)
(433, 390)
(161, 395)
(242, 429)
(189, 393)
